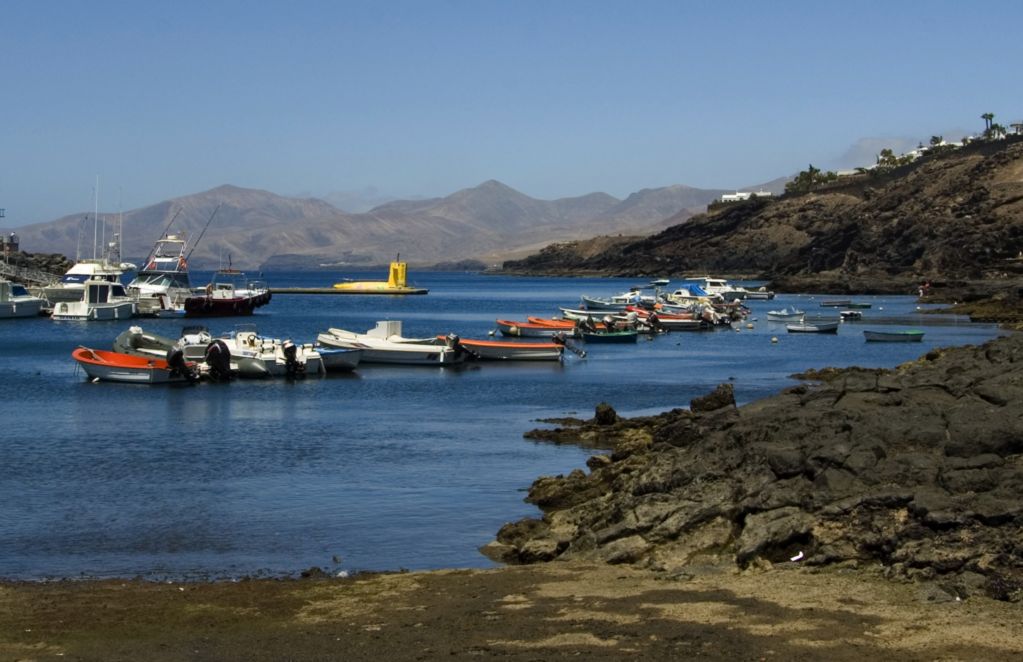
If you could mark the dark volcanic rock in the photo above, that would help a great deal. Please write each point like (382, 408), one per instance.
(919, 468)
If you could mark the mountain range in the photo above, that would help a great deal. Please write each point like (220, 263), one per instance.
(253, 228)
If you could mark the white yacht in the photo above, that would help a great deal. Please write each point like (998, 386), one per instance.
(163, 284)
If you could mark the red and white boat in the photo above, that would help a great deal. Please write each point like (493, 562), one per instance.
(116, 367)
(531, 329)
(503, 350)
(228, 294)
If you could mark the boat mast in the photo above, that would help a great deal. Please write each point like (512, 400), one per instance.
(187, 257)
(95, 217)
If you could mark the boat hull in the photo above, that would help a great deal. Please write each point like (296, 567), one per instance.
(336, 359)
(529, 330)
(125, 368)
(611, 337)
(496, 350)
(17, 309)
(893, 336)
(77, 310)
(203, 306)
(382, 350)
(827, 327)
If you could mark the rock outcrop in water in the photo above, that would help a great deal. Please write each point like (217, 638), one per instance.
(919, 468)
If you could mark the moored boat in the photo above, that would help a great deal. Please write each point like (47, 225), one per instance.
(336, 359)
(787, 314)
(163, 283)
(624, 336)
(813, 327)
(502, 350)
(101, 300)
(385, 344)
(908, 335)
(116, 367)
(229, 293)
(15, 301)
(517, 329)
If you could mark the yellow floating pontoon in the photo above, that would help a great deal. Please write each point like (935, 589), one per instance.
(395, 284)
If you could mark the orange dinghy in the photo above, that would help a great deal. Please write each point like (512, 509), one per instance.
(116, 367)
(502, 350)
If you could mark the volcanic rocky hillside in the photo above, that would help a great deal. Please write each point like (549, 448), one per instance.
(260, 229)
(957, 215)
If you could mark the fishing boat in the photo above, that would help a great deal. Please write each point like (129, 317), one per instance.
(563, 324)
(502, 350)
(618, 302)
(229, 293)
(816, 327)
(101, 300)
(623, 336)
(850, 315)
(15, 301)
(787, 314)
(116, 367)
(908, 335)
(385, 344)
(163, 282)
(518, 329)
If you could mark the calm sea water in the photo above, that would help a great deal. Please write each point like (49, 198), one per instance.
(385, 468)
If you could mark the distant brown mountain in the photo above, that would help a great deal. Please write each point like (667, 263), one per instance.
(255, 228)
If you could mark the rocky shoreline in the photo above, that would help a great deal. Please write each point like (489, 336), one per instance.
(918, 469)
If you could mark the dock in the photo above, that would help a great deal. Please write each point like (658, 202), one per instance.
(397, 291)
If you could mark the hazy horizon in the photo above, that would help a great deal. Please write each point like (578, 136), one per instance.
(408, 99)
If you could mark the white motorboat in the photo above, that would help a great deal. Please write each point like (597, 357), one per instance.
(280, 358)
(385, 344)
(814, 327)
(787, 314)
(15, 301)
(720, 286)
(101, 300)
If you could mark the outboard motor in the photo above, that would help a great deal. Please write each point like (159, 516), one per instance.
(293, 369)
(455, 343)
(560, 339)
(218, 360)
(178, 366)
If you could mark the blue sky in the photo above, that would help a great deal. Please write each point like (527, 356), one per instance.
(424, 98)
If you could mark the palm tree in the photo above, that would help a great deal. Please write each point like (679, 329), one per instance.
(988, 118)
(937, 140)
